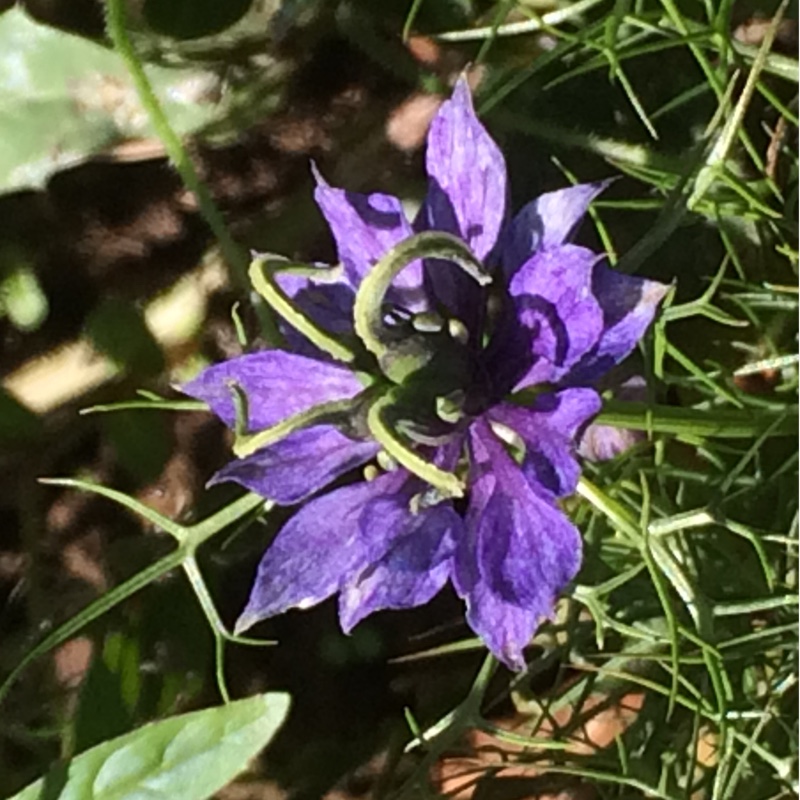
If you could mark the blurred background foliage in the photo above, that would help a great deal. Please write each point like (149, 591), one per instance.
(671, 669)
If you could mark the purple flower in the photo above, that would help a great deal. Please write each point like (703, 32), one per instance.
(472, 390)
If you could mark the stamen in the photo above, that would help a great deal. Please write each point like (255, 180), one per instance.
(450, 407)
(369, 304)
(510, 438)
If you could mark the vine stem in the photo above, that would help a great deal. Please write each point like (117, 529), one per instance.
(232, 253)
(189, 539)
(446, 733)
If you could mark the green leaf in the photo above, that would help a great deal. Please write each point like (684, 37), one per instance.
(188, 756)
(64, 98)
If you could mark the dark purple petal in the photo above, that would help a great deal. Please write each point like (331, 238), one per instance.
(318, 551)
(277, 384)
(366, 227)
(415, 566)
(549, 428)
(548, 221)
(329, 303)
(299, 465)
(518, 553)
(555, 321)
(628, 304)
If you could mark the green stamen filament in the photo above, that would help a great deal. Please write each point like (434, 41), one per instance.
(246, 443)
(446, 482)
(267, 287)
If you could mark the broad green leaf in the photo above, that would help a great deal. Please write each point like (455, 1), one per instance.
(64, 98)
(190, 756)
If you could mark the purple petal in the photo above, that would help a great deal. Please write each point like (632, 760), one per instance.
(602, 442)
(466, 197)
(366, 227)
(548, 221)
(556, 320)
(277, 384)
(467, 173)
(519, 551)
(318, 551)
(506, 628)
(415, 566)
(328, 302)
(549, 428)
(628, 304)
(299, 465)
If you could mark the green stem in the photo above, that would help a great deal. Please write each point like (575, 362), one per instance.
(723, 423)
(446, 733)
(189, 539)
(234, 255)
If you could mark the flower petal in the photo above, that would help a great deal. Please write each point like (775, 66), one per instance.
(466, 197)
(318, 550)
(299, 465)
(506, 628)
(366, 227)
(518, 553)
(602, 442)
(277, 384)
(549, 428)
(556, 320)
(467, 174)
(326, 301)
(548, 221)
(629, 304)
(415, 566)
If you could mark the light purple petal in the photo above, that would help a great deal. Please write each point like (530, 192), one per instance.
(549, 428)
(299, 465)
(602, 442)
(466, 197)
(556, 320)
(318, 551)
(467, 174)
(518, 553)
(628, 304)
(415, 566)
(277, 384)
(366, 227)
(548, 221)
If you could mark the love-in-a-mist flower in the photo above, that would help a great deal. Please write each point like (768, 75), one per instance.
(454, 356)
